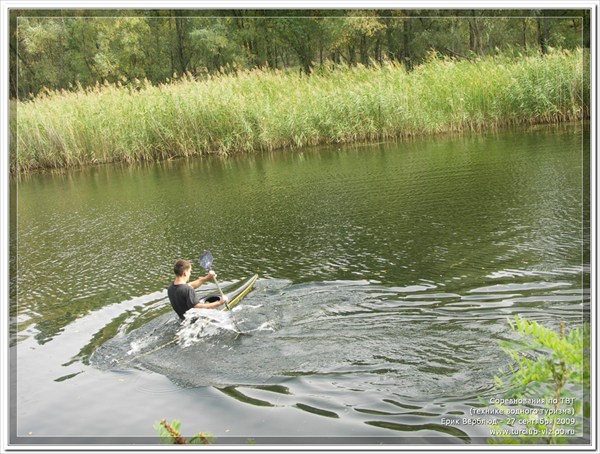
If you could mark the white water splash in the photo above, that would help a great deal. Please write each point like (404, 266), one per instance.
(266, 326)
(136, 347)
(250, 306)
(201, 323)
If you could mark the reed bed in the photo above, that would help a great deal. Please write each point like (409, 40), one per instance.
(267, 110)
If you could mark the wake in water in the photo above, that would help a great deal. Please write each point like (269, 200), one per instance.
(200, 324)
(201, 327)
(417, 340)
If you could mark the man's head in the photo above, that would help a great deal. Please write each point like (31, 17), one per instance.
(182, 266)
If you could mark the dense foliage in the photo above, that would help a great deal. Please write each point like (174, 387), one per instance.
(547, 382)
(59, 49)
(258, 110)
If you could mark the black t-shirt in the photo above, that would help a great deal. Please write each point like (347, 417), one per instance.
(182, 297)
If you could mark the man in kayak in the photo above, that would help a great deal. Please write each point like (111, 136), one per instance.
(181, 291)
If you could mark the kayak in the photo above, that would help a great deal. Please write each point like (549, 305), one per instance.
(237, 295)
(234, 296)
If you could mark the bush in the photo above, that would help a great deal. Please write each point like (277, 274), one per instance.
(545, 401)
(170, 433)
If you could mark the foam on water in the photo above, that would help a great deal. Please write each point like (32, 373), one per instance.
(136, 347)
(202, 323)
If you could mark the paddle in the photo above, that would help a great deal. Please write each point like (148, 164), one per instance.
(206, 262)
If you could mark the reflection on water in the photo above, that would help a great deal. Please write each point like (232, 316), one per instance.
(409, 356)
(448, 341)
(388, 274)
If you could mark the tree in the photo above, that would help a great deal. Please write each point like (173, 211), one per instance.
(61, 48)
(475, 33)
(300, 31)
(363, 30)
(543, 29)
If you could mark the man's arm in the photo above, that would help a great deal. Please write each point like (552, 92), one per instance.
(202, 280)
(193, 302)
(210, 305)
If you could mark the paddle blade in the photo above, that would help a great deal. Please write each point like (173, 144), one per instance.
(206, 260)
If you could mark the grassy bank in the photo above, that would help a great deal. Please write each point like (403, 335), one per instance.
(267, 110)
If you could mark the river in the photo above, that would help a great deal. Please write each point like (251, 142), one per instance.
(388, 274)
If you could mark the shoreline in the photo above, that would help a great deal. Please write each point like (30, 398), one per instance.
(257, 111)
(529, 127)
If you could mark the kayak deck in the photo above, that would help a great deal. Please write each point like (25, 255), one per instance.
(234, 296)
(238, 294)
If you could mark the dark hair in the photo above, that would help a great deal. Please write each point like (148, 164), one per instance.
(180, 266)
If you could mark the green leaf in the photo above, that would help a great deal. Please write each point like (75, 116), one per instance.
(202, 438)
(176, 425)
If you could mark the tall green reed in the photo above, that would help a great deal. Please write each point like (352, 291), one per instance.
(267, 110)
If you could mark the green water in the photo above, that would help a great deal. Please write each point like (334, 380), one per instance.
(387, 271)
